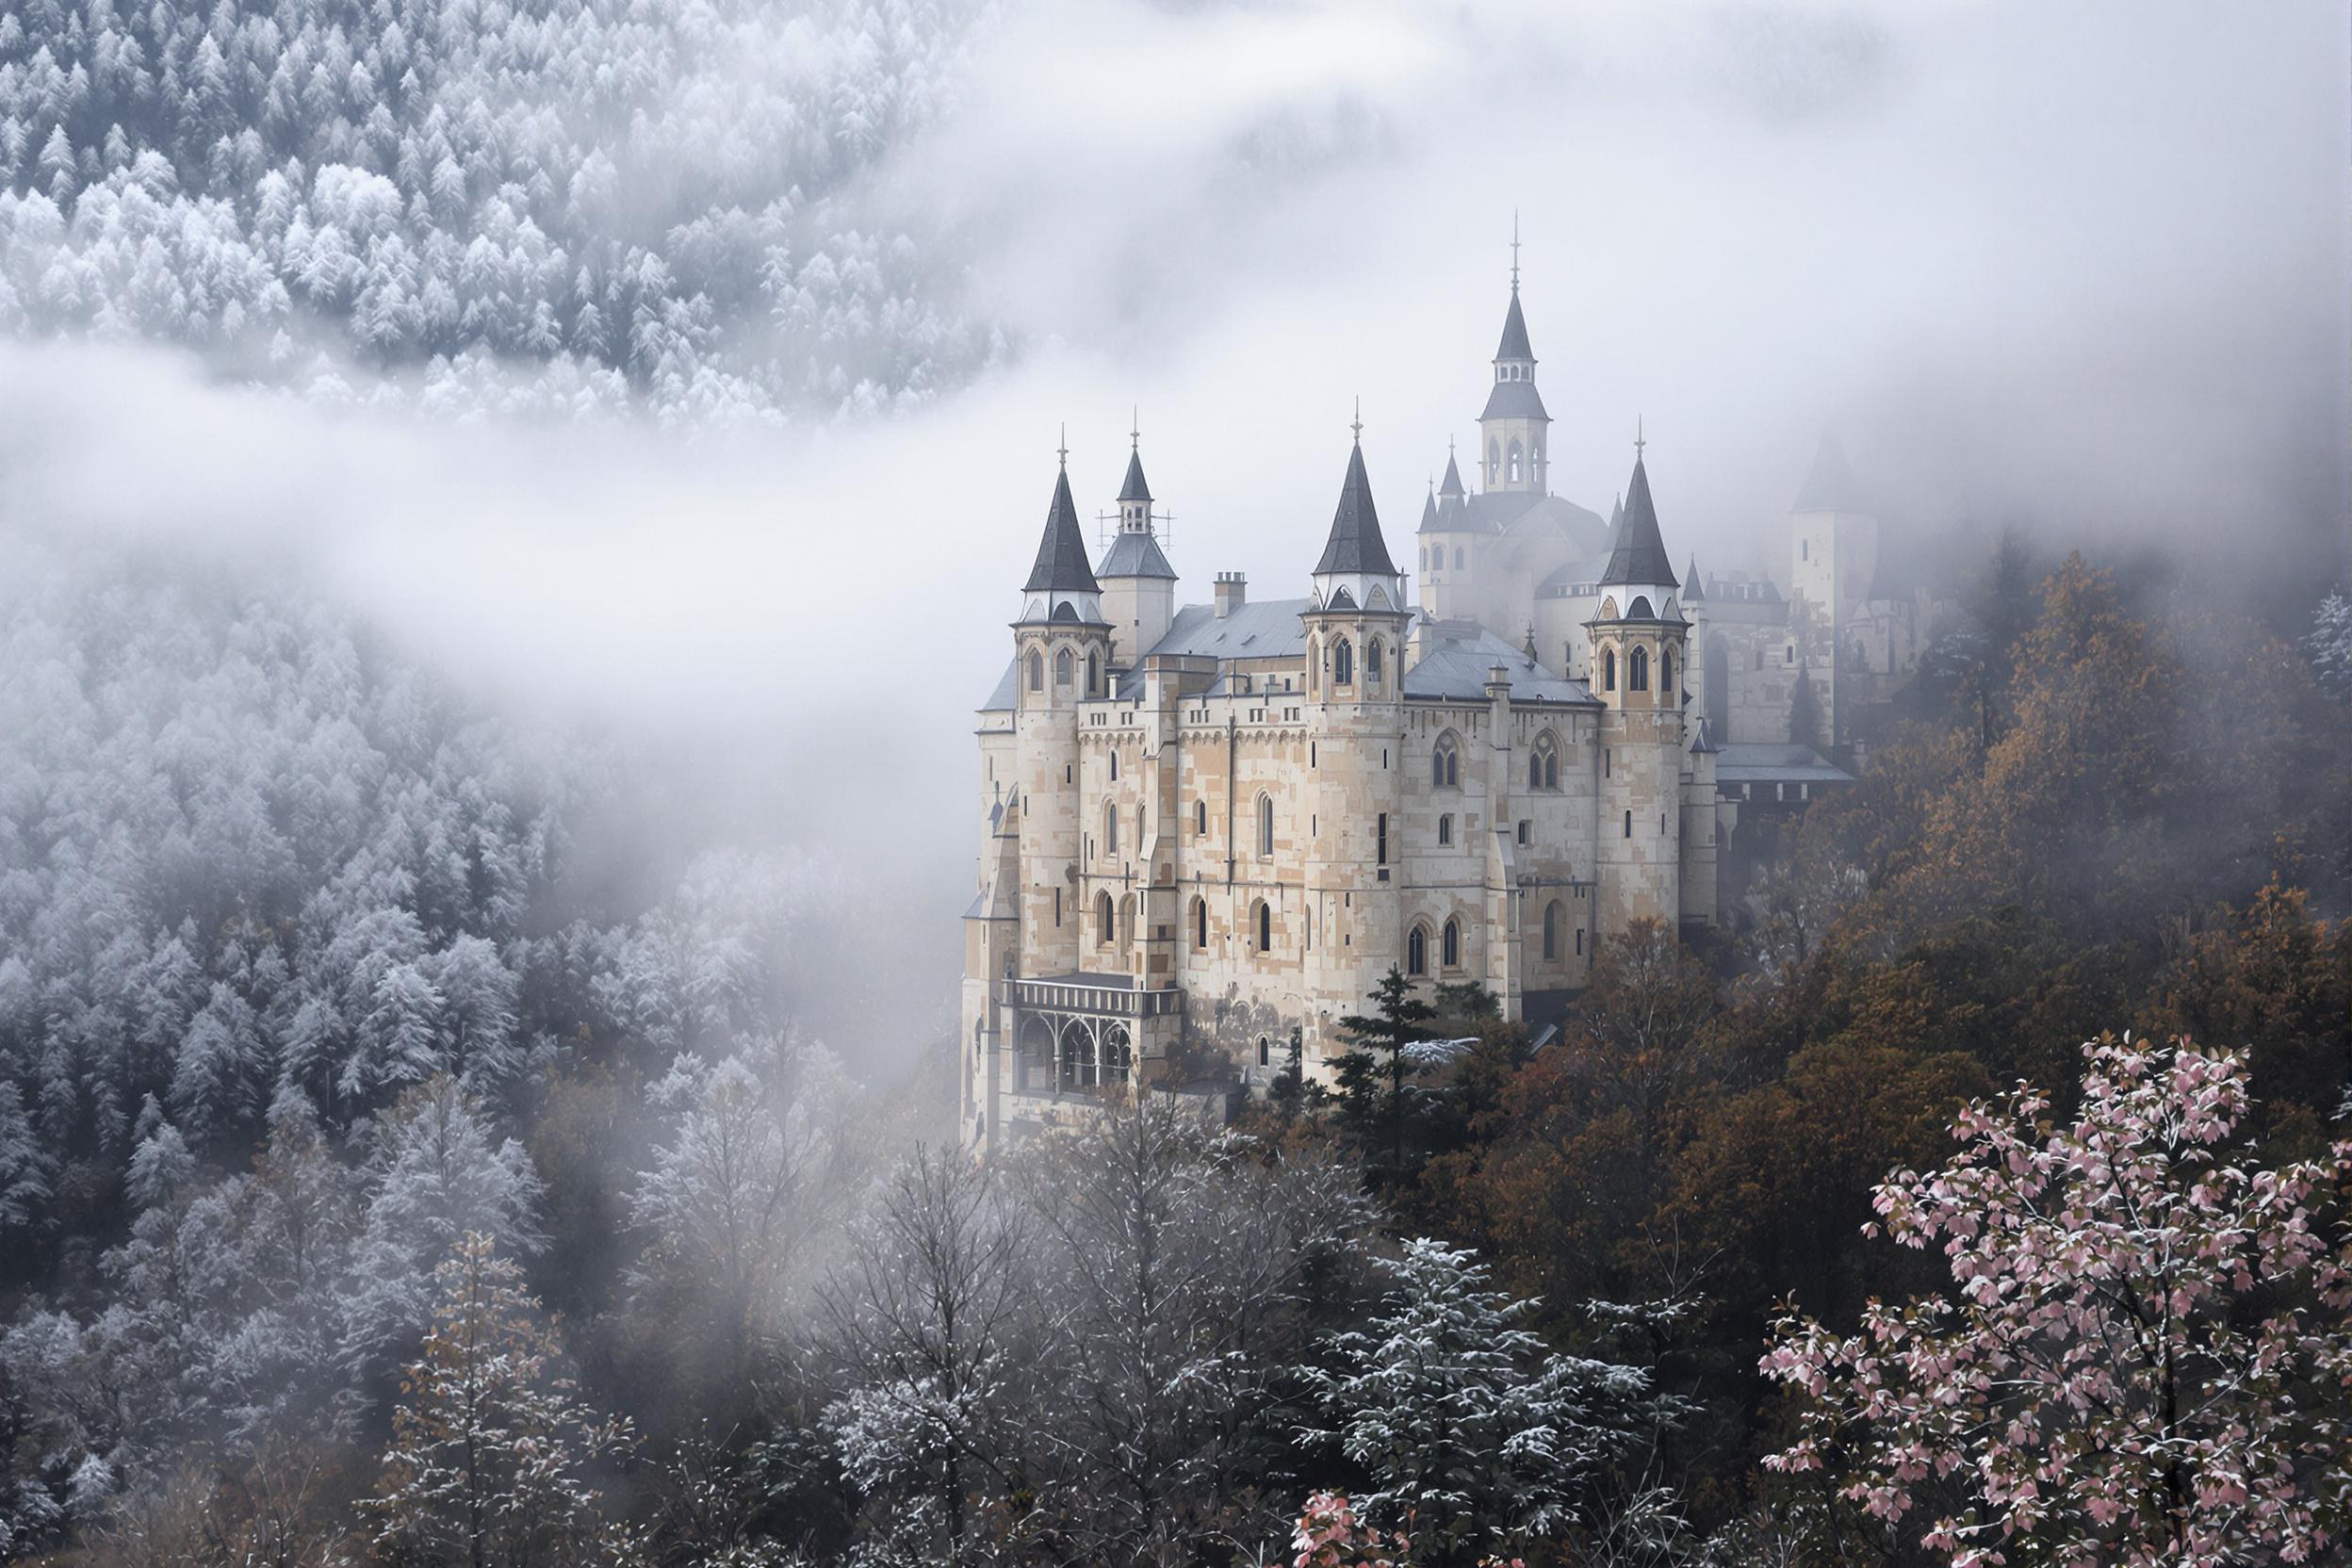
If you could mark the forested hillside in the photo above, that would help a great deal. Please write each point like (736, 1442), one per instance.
(536, 207)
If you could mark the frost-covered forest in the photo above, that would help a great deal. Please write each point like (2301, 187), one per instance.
(531, 207)
(427, 1139)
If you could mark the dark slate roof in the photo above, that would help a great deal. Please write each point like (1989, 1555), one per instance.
(1451, 483)
(1703, 738)
(1429, 514)
(1639, 554)
(1514, 400)
(1135, 555)
(1765, 763)
(1061, 567)
(1456, 514)
(1135, 489)
(1355, 544)
(1007, 689)
(1691, 588)
(1830, 487)
(1263, 629)
(1515, 344)
(1453, 669)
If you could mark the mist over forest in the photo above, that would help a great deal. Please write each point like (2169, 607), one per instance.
(508, 507)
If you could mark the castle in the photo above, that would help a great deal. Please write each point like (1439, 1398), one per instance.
(1209, 830)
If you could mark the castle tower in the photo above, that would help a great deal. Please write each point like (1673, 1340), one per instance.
(1639, 644)
(1515, 430)
(1832, 555)
(1354, 832)
(1062, 647)
(1139, 584)
(1450, 538)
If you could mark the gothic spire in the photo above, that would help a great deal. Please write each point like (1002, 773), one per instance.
(1062, 566)
(1829, 486)
(1355, 544)
(1453, 475)
(1639, 556)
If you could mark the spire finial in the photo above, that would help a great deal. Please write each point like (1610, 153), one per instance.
(1514, 249)
(1358, 425)
(1638, 442)
(1134, 429)
(1063, 451)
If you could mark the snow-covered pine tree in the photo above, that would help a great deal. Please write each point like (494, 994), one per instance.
(1474, 1436)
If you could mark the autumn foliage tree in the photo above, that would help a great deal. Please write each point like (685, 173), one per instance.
(2146, 1356)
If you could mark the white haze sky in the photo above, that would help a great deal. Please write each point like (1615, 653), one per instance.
(2081, 268)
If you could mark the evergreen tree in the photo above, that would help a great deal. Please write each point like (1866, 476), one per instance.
(1474, 1437)
(1374, 1077)
(492, 1457)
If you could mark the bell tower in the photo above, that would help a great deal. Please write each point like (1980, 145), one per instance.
(1514, 430)
(1139, 584)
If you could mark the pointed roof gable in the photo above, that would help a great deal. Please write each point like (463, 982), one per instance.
(1515, 344)
(1135, 489)
(1829, 487)
(1639, 554)
(1452, 485)
(1428, 514)
(1061, 567)
(1355, 544)
(1691, 585)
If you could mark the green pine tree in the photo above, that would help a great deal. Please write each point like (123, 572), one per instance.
(1373, 1077)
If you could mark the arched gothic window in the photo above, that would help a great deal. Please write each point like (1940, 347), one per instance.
(1105, 919)
(1114, 766)
(1343, 661)
(1515, 462)
(1110, 829)
(1493, 461)
(1543, 764)
(1666, 672)
(1372, 660)
(1200, 924)
(1061, 668)
(1636, 669)
(1608, 669)
(1446, 763)
(1201, 818)
(1417, 951)
(1037, 671)
(1265, 927)
(1452, 944)
(1094, 675)
(1265, 824)
(1551, 929)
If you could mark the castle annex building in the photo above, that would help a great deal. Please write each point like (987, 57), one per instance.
(1209, 827)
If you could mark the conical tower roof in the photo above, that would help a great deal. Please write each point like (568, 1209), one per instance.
(1062, 566)
(1514, 343)
(1135, 489)
(1639, 556)
(1829, 486)
(1691, 588)
(1452, 485)
(1355, 544)
(1428, 513)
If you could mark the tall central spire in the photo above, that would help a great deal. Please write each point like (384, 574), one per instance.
(1514, 429)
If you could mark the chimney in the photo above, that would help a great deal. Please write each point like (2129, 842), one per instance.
(1233, 592)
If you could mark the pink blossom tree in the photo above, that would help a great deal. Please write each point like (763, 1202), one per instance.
(2148, 1356)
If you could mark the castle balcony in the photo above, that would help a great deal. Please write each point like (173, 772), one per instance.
(1089, 995)
(1084, 1035)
